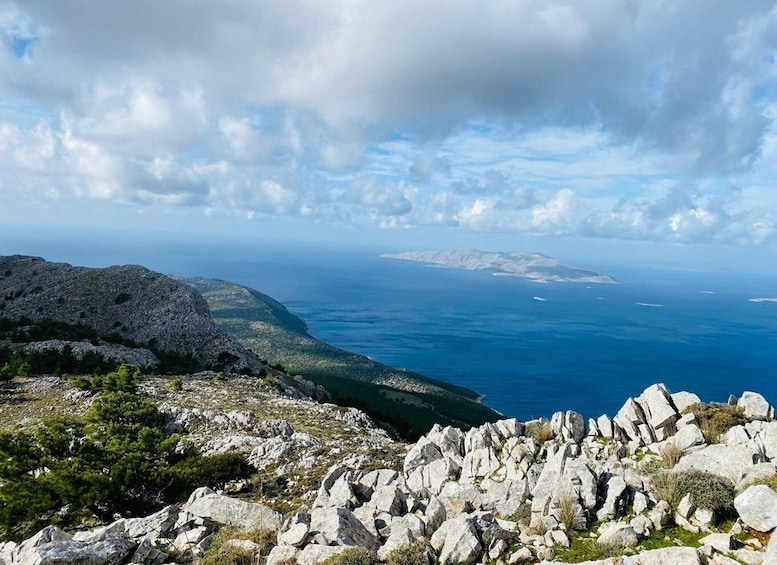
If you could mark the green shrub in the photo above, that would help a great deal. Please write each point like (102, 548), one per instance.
(705, 489)
(177, 384)
(354, 556)
(221, 553)
(540, 431)
(716, 419)
(413, 554)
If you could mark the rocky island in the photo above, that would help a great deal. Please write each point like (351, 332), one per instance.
(532, 266)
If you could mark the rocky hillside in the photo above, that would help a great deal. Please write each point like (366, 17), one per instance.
(667, 481)
(126, 304)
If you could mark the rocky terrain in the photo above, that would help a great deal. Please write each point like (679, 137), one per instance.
(533, 266)
(128, 303)
(657, 484)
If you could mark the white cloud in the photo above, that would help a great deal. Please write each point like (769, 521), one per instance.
(485, 115)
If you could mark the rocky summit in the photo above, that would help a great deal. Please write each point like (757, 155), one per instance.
(668, 480)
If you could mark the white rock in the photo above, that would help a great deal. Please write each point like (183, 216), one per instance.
(683, 400)
(755, 406)
(668, 556)
(615, 489)
(757, 508)
(232, 512)
(457, 541)
(523, 555)
(721, 542)
(604, 423)
(282, 553)
(618, 533)
(339, 526)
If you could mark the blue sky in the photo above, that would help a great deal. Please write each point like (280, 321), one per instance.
(490, 123)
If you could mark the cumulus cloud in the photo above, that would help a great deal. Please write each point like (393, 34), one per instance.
(593, 117)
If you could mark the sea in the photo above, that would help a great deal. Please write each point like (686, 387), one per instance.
(530, 349)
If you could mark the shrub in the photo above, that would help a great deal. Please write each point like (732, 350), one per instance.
(705, 489)
(768, 480)
(221, 553)
(716, 419)
(177, 384)
(354, 556)
(540, 431)
(413, 554)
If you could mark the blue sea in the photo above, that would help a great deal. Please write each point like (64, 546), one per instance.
(531, 349)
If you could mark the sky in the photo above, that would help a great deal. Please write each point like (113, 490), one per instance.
(622, 124)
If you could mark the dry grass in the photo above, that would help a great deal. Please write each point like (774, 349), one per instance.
(671, 454)
(540, 431)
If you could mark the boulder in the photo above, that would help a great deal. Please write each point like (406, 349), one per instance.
(111, 551)
(757, 508)
(755, 406)
(457, 542)
(227, 511)
(730, 461)
(683, 400)
(339, 526)
(668, 556)
(617, 533)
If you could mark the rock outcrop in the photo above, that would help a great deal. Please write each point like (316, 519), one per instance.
(129, 302)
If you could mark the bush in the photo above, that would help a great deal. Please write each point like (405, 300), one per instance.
(177, 384)
(354, 556)
(221, 553)
(540, 431)
(716, 419)
(413, 554)
(705, 489)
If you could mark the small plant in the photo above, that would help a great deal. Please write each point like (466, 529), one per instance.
(354, 556)
(586, 549)
(223, 553)
(221, 377)
(177, 384)
(768, 480)
(413, 554)
(567, 510)
(671, 454)
(540, 431)
(716, 419)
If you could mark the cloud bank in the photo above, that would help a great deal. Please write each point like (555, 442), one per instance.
(636, 120)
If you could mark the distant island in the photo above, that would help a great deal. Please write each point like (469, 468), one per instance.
(533, 266)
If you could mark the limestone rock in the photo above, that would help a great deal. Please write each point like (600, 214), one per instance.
(755, 406)
(615, 489)
(457, 542)
(618, 533)
(231, 511)
(757, 508)
(339, 526)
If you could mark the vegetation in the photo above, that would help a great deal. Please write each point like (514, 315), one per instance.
(117, 459)
(587, 549)
(768, 480)
(706, 490)
(221, 552)
(716, 419)
(354, 556)
(413, 554)
(671, 454)
(540, 431)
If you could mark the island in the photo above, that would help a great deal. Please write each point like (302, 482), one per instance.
(533, 266)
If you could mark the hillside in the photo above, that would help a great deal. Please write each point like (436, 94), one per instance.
(532, 266)
(407, 400)
(126, 305)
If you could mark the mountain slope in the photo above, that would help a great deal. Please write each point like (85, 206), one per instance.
(407, 400)
(128, 303)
